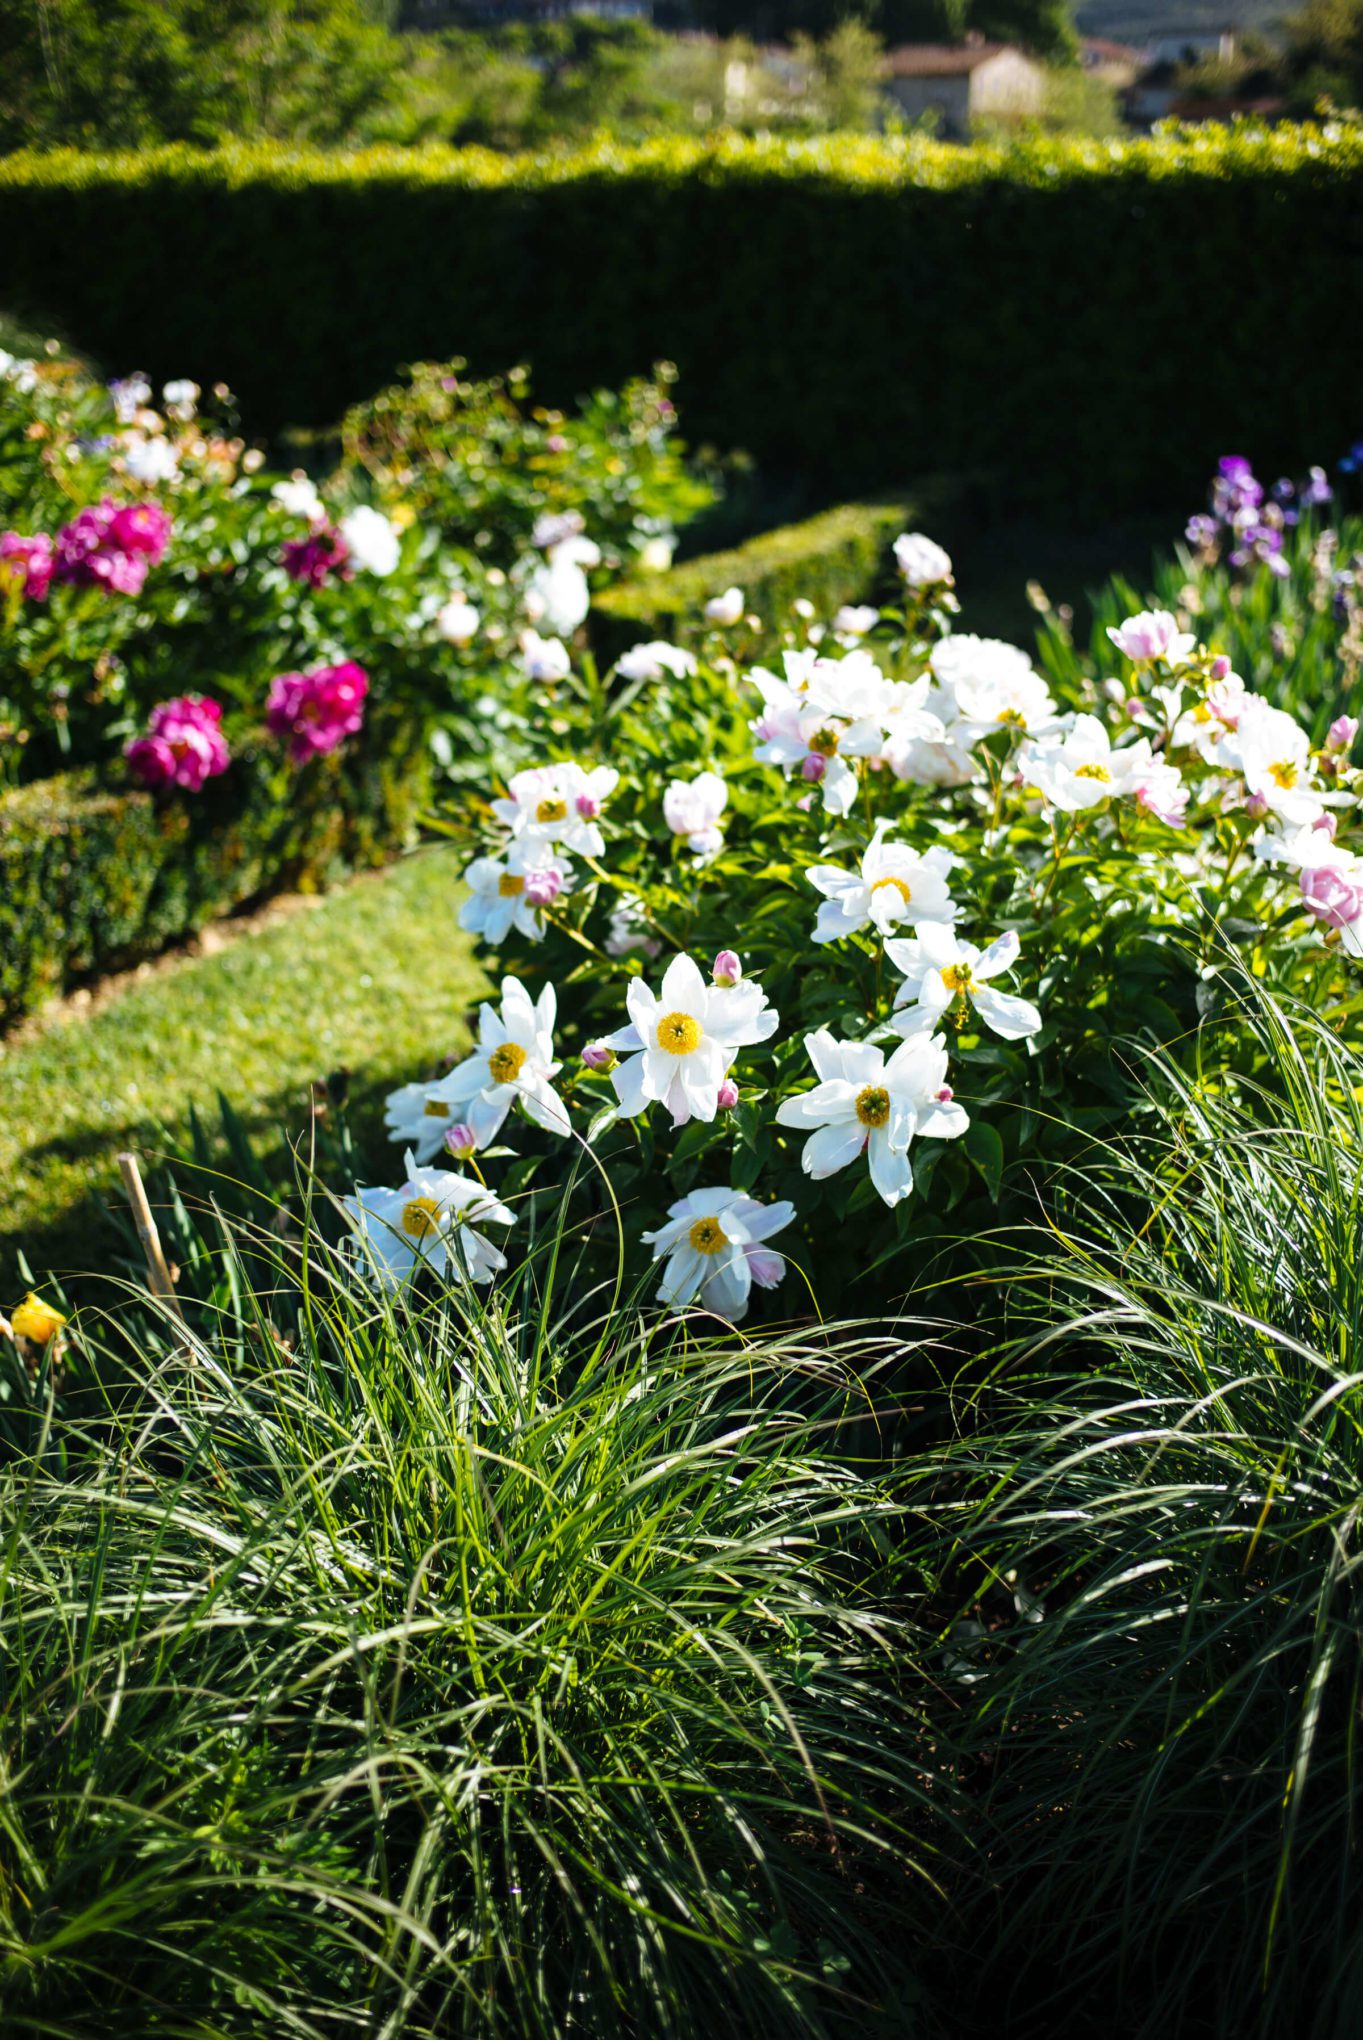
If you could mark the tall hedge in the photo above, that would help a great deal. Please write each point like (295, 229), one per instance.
(94, 877)
(1099, 317)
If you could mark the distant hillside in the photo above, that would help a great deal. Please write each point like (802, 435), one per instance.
(1139, 21)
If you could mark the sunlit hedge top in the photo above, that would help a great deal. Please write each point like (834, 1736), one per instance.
(1081, 316)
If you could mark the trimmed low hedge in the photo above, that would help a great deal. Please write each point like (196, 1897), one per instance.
(837, 557)
(1102, 318)
(93, 878)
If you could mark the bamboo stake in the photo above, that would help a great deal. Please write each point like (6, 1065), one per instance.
(158, 1274)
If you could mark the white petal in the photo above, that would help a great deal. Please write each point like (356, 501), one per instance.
(1009, 1016)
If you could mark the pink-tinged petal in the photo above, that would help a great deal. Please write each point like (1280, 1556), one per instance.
(766, 1268)
(1001, 955)
(1009, 1016)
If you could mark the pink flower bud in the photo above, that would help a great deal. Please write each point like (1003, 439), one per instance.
(1328, 823)
(814, 768)
(1220, 667)
(542, 888)
(461, 1140)
(945, 1095)
(598, 1055)
(1256, 807)
(1341, 733)
(1333, 894)
(588, 807)
(727, 1095)
(727, 968)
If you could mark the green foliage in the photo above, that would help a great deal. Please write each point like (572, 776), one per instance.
(834, 558)
(94, 877)
(461, 1670)
(759, 259)
(1045, 26)
(1324, 56)
(1144, 1539)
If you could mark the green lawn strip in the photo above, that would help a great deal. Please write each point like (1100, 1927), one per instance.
(377, 979)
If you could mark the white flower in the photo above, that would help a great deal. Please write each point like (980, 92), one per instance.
(553, 526)
(428, 1223)
(895, 883)
(457, 620)
(129, 395)
(799, 731)
(1157, 785)
(1272, 752)
(942, 760)
(371, 538)
(1208, 723)
(544, 658)
(713, 1245)
(513, 891)
(994, 687)
(150, 460)
(180, 398)
(939, 969)
(863, 1103)
(920, 560)
(1082, 769)
(573, 550)
(513, 1064)
(1154, 634)
(683, 1039)
(298, 495)
(628, 930)
(420, 1115)
(558, 596)
(726, 608)
(651, 661)
(853, 621)
(560, 803)
(655, 554)
(692, 808)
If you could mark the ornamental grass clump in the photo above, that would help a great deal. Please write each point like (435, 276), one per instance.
(406, 1661)
(1146, 1546)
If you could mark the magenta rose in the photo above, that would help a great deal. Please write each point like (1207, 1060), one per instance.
(34, 557)
(141, 528)
(317, 711)
(108, 545)
(315, 558)
(1333, 893)
(184, 744)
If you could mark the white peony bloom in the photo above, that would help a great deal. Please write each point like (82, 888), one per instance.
(574, 551)
(629, 931)
(994, 687)
(372, 540)
(854, 620)
(682, 1040)
(651, 661)
(457, 620)
(1082, 769)
(1152, 635)
(513, 1064)
(420, 1115)
(726, 608)
(864, 1103)
(920, 560)
(1208, 723)
(692, 808)
(939, 969)
(298, 495)
(560, 803)
(558, 596)
(428, 1223)
(1272, 753)
(513, 891)
(801, 730)
(895, 883)
(151, 459)
(544, 658)
(713, 1245)
(947, 759)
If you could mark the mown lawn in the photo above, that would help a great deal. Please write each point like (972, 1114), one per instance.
(377, 979)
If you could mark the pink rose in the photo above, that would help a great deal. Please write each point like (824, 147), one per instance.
(184, 744)
(316, 711)
(35, 562)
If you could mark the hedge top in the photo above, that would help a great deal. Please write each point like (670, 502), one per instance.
(876, 162)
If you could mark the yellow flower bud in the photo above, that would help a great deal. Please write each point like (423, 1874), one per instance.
(36, 1321)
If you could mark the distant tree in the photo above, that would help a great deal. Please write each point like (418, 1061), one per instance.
(1324, 54)
(1045, 26)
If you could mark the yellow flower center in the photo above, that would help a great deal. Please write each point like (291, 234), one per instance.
(509, 886)
(36, 1321)
(552, 811)
(899, 887)
(505, 1062)
(956, 977)
(678, 1033)
(436, 1108)
(824, 742)
(873, 1106)
(1202, 714)
(708, 1236)
(1093, 771)
(420, 1218)
(1283, 774)
(1012, 719)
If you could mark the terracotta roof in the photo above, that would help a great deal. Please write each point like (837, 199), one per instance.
(939, 60)
(1110, 52)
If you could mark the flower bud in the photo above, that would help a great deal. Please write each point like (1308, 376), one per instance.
(727, 968)
(542, 888)
(461, 1140)
(726, 1097)
(1341, 733)
(1332, 894)
(945, 1095)
(36, 1322)
(814, 768)
(1220, 667)
(587, 806)
(599, 1055)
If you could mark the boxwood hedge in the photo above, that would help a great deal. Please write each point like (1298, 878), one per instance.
(93, 876)
(1089, 316)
